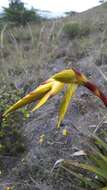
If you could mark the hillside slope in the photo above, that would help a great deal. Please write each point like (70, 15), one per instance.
(29, 56)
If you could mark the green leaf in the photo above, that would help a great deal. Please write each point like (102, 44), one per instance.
(98, 158)
(100, 142)
(104, 188)
(98, 171)
(84, 181)
(71, 88)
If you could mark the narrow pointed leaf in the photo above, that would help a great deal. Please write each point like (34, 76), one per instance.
(82, 178)
(71, 88)
(98, 171)
(100, 142)
(99, 160)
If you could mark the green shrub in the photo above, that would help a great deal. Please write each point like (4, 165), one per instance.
(17, 13)
(84, 30)
(75, 29)
(71, 29)
(12, 141)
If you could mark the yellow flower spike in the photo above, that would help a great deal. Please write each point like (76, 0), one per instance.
(73, 78)
(71, 88)
(56, 88)
(65, 132)
(36, 94)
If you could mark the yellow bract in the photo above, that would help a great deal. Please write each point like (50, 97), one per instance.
(71, 88)
(56, 87)
(36, 94)
(65, 76)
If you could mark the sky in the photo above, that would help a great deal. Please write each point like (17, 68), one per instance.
(57, 6)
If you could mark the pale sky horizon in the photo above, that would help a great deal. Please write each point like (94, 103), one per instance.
(56, 6)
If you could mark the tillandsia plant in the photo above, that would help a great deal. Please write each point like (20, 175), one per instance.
(92, 171)
(71, 78)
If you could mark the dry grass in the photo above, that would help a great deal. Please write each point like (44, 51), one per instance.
(30, 55)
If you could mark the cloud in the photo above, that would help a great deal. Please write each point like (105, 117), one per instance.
(57, 5)
(63, 5)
